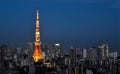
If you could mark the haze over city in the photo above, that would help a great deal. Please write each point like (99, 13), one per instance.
(81, 23)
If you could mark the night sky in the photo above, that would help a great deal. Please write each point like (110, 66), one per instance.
(81, 23)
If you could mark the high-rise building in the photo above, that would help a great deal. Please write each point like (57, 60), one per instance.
(106, 49)
(30, 51)
(92, 55)
(67, 60)
(113, 54)
(47, 52)
(100, 53)
(103, 52)
(57, 50)
(78, 53)
(73, 55)
(84, 53)
(37, 54)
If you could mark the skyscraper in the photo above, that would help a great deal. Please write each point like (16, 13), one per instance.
(84, 54)
(57, 50)
(73, 55)
(92, 55)
(37, 54)
(103, 52)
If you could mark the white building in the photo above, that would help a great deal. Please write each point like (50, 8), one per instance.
(114, 54)
(84, 53)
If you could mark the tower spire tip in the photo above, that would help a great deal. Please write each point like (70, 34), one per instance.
(37, 14)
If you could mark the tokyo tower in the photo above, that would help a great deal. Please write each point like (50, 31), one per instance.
(37, 54)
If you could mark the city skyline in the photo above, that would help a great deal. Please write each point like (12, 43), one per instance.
(79, 23)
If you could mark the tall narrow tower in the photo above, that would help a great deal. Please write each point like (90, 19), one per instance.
(37, 54)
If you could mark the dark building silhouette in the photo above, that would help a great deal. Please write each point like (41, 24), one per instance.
(3, 63)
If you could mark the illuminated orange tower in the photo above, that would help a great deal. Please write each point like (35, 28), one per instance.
(37, 54)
